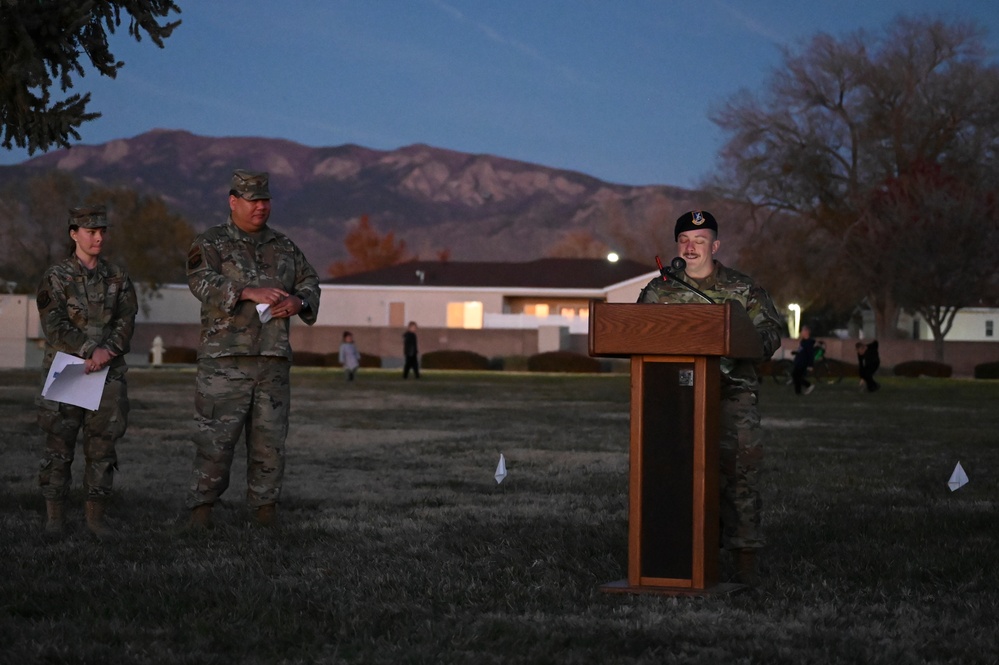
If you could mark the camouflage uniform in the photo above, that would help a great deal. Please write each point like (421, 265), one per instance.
(243, 364)
(80, 311)
(741, 445)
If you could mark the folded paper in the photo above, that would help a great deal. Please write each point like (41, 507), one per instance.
(501, 469)
(958, 479)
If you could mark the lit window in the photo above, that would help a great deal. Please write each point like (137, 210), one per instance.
(536, 310)
(464, 315)
(568, 312)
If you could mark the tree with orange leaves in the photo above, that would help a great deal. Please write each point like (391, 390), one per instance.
(369, 250)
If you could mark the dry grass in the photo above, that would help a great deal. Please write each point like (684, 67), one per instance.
(397, 545)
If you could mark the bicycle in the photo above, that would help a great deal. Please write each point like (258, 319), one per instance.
(821, 371)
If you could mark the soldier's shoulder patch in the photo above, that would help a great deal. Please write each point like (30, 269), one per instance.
(44, 299)
(194, 259)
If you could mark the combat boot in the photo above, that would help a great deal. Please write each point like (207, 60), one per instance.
(266, 515)
(94, 512)
(54, 516)
(745, 567)
(201, 516)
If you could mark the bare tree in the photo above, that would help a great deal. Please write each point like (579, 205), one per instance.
(146, 237)
(943, 233)
(149, 240)
(843, 118)
(33, 227)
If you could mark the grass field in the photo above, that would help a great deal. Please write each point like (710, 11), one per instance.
(396, 545)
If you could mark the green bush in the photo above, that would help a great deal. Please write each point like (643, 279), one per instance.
(842, 368)
(987, 370)
(511, 363)
(917, 368)
(308, 359)
(454, 360)
(179, 355)
(562, 361)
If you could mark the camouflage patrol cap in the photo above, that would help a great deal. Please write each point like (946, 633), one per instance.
(90, 217)
(695, 219)
(250, 185)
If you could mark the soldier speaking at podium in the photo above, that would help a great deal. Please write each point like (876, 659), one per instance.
(741, 445)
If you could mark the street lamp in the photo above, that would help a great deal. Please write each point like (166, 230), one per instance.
(613, 257)
(794, 319)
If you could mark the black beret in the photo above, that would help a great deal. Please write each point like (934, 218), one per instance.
(695, 219)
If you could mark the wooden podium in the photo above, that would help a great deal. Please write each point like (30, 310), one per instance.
(673, 522)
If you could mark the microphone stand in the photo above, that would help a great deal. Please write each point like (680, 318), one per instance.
(669, 275)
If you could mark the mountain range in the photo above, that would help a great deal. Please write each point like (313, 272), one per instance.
(468, 207)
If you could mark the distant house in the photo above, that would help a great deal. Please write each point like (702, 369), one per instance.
(971, 324)
(492, 308)
(481, 295)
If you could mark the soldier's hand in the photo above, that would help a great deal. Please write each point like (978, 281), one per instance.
(288, 307)
(97, 361)
(264, 294)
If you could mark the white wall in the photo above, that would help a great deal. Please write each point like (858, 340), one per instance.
(369, 305)
(969, 326)
(349, 305)
(173, 304)
(629, 291)
(21, 343)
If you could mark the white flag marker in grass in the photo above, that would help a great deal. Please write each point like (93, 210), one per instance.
(958, 479)
(501, 469)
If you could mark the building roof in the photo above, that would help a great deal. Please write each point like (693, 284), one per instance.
(538, 274)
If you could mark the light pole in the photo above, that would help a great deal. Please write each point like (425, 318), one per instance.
(794, 319)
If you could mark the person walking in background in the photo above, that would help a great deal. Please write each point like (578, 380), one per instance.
(741, 441)
(87, 308)
(868, 361)
(350, 358)
(803, 359)
(410, 351)
(250, 280)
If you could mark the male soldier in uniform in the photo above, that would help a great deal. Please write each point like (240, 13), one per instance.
(87, 308)
(741, 446)
(250, 280)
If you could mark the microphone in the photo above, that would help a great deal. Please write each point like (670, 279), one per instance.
(669, 274)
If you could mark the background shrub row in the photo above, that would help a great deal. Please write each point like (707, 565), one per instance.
(563, 361)
(917, 368)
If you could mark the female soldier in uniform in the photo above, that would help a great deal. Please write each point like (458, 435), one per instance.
(87, 308)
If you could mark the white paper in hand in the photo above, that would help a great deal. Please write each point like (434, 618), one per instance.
(67, 383)
(501, 469)
(958, 479)
(264, 311)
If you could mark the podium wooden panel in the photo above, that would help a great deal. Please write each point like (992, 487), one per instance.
(673, 495)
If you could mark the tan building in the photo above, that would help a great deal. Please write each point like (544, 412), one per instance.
(494, 309)
(21, 342)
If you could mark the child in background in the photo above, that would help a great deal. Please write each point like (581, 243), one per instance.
(868, 361)
(350, 358)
